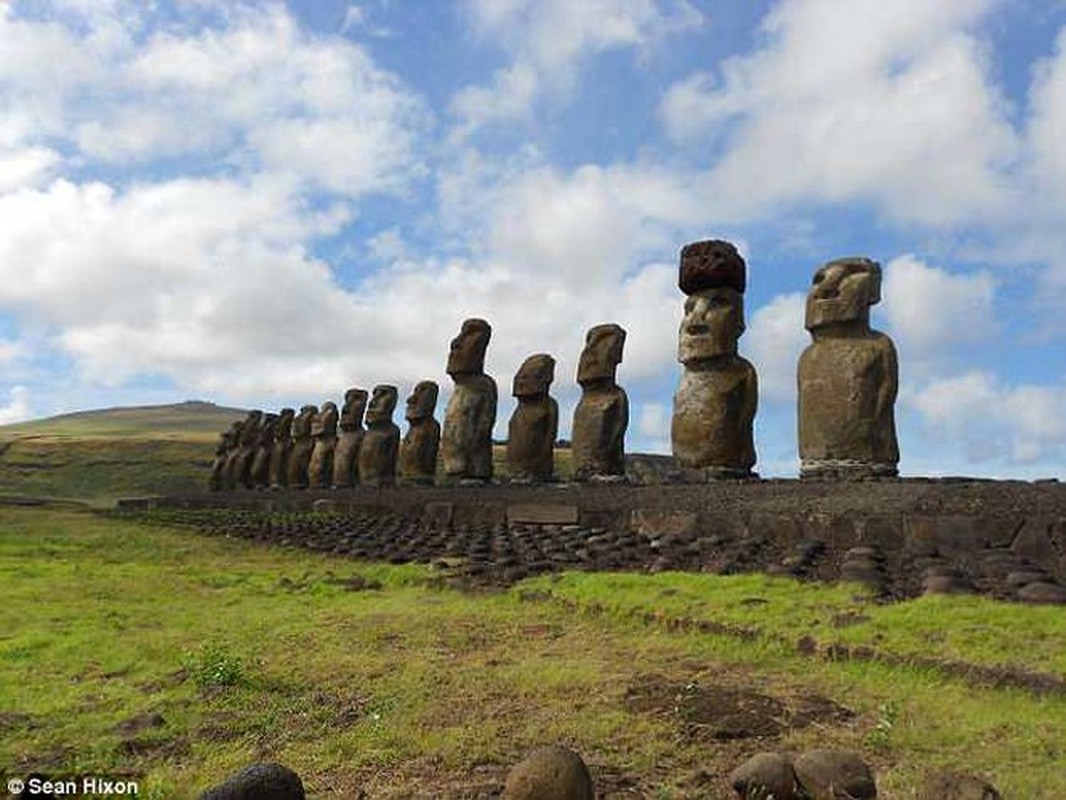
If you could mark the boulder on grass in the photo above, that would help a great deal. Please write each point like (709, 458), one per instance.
(834, 775)
(259, 782)
(549, 772)
(765, 776)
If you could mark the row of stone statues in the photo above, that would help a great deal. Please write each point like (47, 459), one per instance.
(306, 450)
(847, 378)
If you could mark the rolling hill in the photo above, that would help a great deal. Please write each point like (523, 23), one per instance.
(98, 456)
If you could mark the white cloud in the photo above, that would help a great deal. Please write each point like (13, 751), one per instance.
(550, 38)
(509, 97)
(28, 166)
(773, 342)
(687, 110)
(653, 428)
(208, 283)
(18, 410)
(888, 103)
(553, 34)
(994, 422)
(256, 91)
(1048, 121)
(10, 350)
(931, 311)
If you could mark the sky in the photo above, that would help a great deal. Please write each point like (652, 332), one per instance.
(261, 204)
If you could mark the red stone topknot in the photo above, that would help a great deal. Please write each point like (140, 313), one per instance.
(711, 264)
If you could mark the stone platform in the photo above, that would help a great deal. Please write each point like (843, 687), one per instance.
(903, 536)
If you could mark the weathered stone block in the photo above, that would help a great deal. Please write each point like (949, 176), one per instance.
(884, 531)
(1036, 543)
(776, 527)
(438, 512)
(947, 535)
(836, 530)
(664, 524)
(541, 514)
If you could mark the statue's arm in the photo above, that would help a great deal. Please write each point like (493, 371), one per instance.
(889, 388)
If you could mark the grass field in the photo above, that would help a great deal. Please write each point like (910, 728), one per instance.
(99, 456)
(138, 650)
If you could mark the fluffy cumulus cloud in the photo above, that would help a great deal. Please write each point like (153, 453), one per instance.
(253, 90)
(773, 342)
(887, 103)
(1048, 121)
(931, 312)
(18, 408)
(207, 282)
(549, 39)
(993, 422)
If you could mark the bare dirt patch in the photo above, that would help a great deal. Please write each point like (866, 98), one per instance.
(706, 712)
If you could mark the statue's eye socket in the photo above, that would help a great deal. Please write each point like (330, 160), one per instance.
(819, 277)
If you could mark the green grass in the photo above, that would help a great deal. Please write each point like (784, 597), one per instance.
(409, 689)
(970, 629)
(101, 469)
(99, 456)
(182, 420)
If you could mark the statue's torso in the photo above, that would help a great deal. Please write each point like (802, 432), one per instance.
(714, 411)
(597, 439)
(418, 450)
(531, 439)
(847, 390)
(377, 455)
(466, 439)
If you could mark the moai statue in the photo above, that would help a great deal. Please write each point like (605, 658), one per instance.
(249, 444)
(714, 408)
(466, 440)
(279, 456)
(231, 469)
(302, 446)
(848, 377)
(324, 432)
(418, 450)
(226, 443)
(346, 455)
(597, 440)
(377, 454)
(263, 452)
(534, 424)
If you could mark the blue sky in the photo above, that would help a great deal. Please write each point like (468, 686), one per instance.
(262, 204)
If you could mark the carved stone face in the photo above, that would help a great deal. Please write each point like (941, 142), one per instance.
(535, 376)
(266, 430)
(250, 429)
(713, 321)
(302, 425)
(324, 423)
(422, 402)
(843, 291)
(284, 427)
(467, 353)
(328, 416)
(382, 404)
(229, 439)
(354, 406)
(602, 353)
